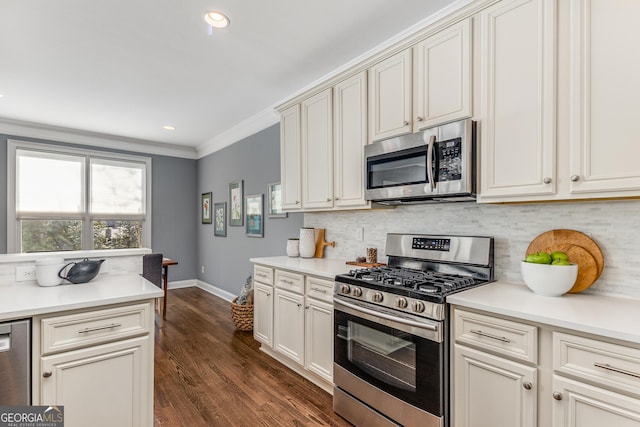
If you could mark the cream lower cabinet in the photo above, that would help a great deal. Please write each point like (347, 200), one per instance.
(302, 319)
(263, 304)
(98, 364)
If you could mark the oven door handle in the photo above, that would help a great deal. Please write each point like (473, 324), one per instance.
(387, 317)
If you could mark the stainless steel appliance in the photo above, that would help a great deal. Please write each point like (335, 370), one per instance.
(15, 363)
(391, 329)
(437, 164)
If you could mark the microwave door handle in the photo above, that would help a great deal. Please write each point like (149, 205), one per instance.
(432, 143)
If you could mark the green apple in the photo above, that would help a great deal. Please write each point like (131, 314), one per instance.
(559, 255)
(539, 258)
(560, 262)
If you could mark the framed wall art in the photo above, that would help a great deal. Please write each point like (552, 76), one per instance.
(236, 211)
(220, 219)
(206, 208)
(255, 217)
(274, 196)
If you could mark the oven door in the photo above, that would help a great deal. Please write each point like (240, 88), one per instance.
(399, 356)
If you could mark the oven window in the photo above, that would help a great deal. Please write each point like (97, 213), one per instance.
(395, 169)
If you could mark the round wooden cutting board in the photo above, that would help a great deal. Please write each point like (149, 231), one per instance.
(580, 248)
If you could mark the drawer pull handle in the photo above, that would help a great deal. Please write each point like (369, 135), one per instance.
(100, 328)
(614, 369)
(324, 291)
(47, 374)
(557, 396)
(495, 337)
(288, 282)
(527, 385)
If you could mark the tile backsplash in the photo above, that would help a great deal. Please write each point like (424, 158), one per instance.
(614, 225)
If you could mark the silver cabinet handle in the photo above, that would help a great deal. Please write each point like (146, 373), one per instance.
(261, 275)
(546, 180)
(47, 374)
(557, 396)
(299, 305)
(100, 328)
(297, 202)
(419, 118)
(494, 337)
(288, 282)
(405, 123)
(328, 199)
(575, 178)
(527, 385)
(324, 291)
(337, 198)
(614, 369)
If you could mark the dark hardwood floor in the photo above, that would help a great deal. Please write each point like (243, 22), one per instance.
(209, 374)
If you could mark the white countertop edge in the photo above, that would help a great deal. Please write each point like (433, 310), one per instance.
(102, 253)
(322, 267)
(606, 316)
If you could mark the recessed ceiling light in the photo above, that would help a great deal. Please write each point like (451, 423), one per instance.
(168, 127)
(216, 19)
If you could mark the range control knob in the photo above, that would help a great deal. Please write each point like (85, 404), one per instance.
(377, 297)
(418, 306)
(401, 302)
(356, 292)
(345, 289)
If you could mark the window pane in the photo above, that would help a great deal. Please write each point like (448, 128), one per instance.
(117, 187)
(49, 182)
(51, 235)
(117, 234)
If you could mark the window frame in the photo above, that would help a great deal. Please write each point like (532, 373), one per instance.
(14, 241)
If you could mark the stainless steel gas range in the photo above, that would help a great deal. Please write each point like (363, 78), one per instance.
(391, 329)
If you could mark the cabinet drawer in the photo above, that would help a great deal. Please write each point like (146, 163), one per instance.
(263, 274)
(290, 281)
(72, 331)
(506, 337)
(612, 365)
(319, 289)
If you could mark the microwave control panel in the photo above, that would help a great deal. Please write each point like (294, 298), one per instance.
(449, 155)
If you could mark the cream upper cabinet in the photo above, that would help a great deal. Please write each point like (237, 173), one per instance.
(390, 97)
(290, 158)
(604, 91)
(517, 98)
(350, 137)
(442, 77)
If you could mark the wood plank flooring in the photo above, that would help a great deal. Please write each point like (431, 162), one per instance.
(207, 373)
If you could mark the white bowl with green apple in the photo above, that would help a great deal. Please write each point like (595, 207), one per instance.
(549, 274)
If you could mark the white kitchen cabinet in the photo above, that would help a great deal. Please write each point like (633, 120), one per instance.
(517, 98)
(319, 327)
(317, 151)
(442, 77)
(290, 158)
(492, 391)
(390, 89)
(288, 325)
(263, 313)
(350, 137)
(87, 358)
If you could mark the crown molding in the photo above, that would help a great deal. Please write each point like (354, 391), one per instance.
(31, 130)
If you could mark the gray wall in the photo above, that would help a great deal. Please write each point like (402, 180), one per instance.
(175, 207)
(256, 160)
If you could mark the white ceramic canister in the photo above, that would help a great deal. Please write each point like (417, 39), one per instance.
(293, 247)
(47, 271)
(307, 242)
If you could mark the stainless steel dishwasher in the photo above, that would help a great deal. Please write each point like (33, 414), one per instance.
(15, 363)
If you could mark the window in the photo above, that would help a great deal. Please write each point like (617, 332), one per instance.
(63, 199)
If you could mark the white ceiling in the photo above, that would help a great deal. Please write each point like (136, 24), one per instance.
(124, 69)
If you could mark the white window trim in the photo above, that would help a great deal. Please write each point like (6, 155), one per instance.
(13, 145)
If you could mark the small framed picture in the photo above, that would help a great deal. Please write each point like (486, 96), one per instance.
(236, 212)
(220, 219)
(274, 196)
(206, 208)
(255, 218)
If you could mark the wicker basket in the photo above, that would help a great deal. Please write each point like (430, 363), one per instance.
(242, 315)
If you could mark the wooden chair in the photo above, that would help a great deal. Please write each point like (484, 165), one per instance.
(152, 271)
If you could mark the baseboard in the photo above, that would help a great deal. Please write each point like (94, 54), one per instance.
(182, 284)
(214, 290)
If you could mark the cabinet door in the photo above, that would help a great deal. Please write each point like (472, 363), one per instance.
(577, 404)
(319, 338)
(317, 151)
(517, 99)
(106, 385)
(492, 391)
(290, 158)
(350, 130)
(263, 313)
(390, 97)
(288, 327)
(605, 89)
(442, 77)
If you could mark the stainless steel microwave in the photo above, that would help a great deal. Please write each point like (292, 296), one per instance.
(434, 165)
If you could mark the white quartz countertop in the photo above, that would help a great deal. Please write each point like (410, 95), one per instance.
(29, 299)
(606, 316)
(327, 268)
